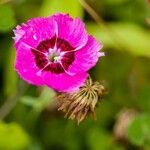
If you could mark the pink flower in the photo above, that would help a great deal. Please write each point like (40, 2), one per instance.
(55, 51)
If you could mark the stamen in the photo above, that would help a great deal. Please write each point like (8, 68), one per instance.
(57, 51)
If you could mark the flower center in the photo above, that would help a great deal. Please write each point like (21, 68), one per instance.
(54, 55)
(53, 58)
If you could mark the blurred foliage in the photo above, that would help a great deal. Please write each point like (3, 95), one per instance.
(34, 122)
(10, 82)
(94, 135)
(121, 33)
(13, 137)
(122, 10)
(71, 7)
(7, 20)
(40, 103)
(139, 130)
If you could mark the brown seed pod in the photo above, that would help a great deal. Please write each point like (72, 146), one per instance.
(78, 105)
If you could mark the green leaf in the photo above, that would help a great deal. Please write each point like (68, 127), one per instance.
(13, 137)
(7, 19)
(139, 130)
(71, 7)
(130, 37)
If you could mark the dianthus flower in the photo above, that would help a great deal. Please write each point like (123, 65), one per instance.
(55, 51)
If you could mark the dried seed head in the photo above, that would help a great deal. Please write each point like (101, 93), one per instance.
(79, 104)
(148, 21)
(124, 118)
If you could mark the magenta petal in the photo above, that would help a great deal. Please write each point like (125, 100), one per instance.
(34, 31)
(72, 30)
(25, 65)
(86, 57)
(64, 82)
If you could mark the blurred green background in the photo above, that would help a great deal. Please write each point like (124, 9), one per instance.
(28, 114)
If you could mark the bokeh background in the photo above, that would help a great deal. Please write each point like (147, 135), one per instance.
(28, 114)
